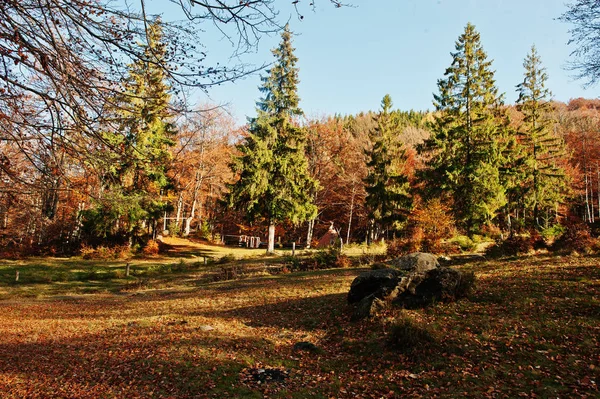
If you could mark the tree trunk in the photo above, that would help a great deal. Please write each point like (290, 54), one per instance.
(271, 239)
(371, 232)
(309, 233)
(5, 218)
(587, 200)
(598, 186)
(592, 199)
(350, 216)
(178, 217)
(197, 186)
(188, 220)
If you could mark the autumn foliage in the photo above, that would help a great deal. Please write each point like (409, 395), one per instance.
(429, 224)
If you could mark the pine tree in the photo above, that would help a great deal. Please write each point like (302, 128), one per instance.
(136, 168)
(387, 186)
(146, 118)
(544, 185)
(468, 136)
(274, 183)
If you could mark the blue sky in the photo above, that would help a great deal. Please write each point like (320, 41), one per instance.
(349, 58)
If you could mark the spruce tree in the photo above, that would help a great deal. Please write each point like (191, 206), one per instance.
(544, 185)
(146, 118)
(275, 184)
(466, 147)
(135, 173)
(388, 199)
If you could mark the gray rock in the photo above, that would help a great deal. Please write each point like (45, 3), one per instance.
(417, 262)
(418, 281)
(380, 283)
(368, 307)
(439, 285)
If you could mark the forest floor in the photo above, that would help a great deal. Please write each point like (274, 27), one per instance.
(530, 328)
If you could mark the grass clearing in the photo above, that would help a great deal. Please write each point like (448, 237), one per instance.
(530, 328)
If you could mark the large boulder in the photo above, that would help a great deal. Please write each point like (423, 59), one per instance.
(439, 285)
(416, 280)
(380, 283)
(369, 306)
(417, 262)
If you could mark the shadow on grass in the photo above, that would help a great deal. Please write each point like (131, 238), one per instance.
(317, 312)
(187, 251)
(129, 361)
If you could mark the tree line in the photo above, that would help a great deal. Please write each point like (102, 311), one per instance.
(144, 166)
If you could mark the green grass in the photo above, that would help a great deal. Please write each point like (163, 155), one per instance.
(183, 262)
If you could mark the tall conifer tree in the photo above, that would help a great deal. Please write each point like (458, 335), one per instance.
(467, 142)
(135, 173)
(387, 186)
(544, 184)
(275, 184)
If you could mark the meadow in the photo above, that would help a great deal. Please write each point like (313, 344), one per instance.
(530, 328)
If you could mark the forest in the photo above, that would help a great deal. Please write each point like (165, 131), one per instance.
(146, 166)
(153, 246)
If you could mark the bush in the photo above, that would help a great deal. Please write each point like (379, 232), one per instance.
(492, 231)
(326, 258)
(236, 272)
(226, 259)
(205, 231)
(369, 259)
(342, 262)
(406, 335)
(101, 252)
(553, 232)
(464, 242)
(378, 266)
(576, 238)
(515, 245)
(151, 248)
(181, 266)
(428, 225)
(403, 246)
(174, 230)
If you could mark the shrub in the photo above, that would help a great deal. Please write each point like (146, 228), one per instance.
(342, 262)
(492, 231)
(464, 242)
(86, 252)
(292, 262)
(428, 225)
(101, 252)
(239, 271)
(226, 259)
(553, 232)
(204, 231)
(151, 248)
(180, 266)
(515, 245)
(576, 238)
(406, 335)
(403, 246)
(379, 265)
(326, 258)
